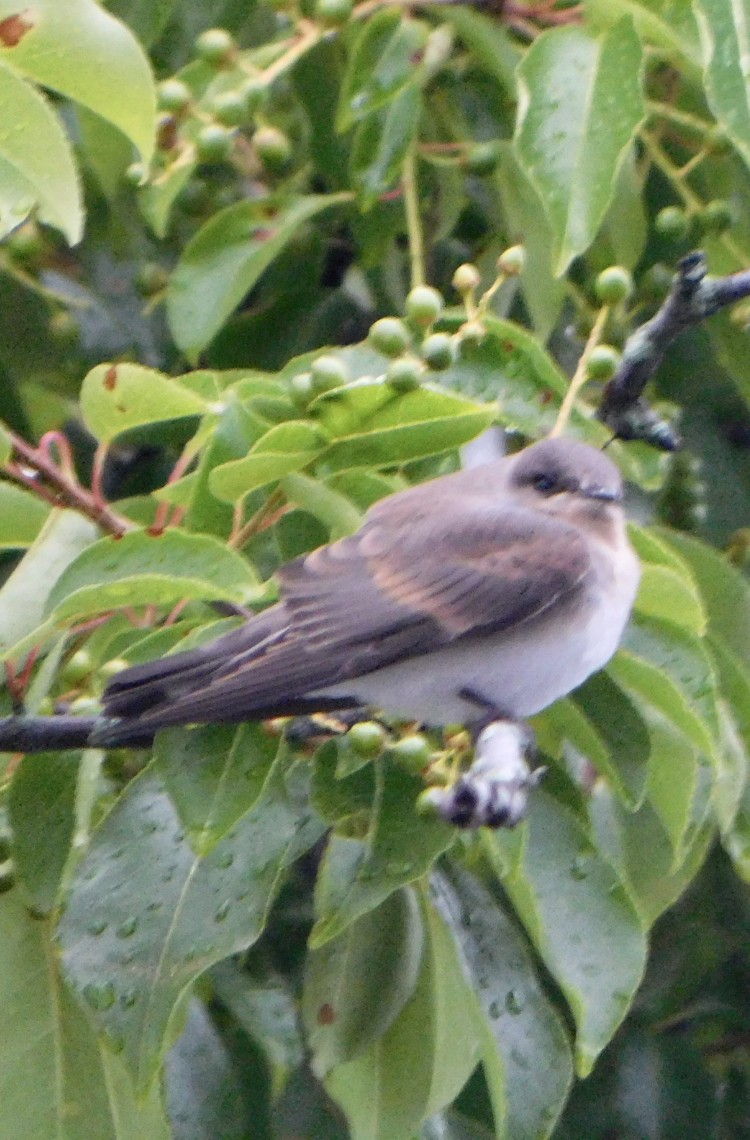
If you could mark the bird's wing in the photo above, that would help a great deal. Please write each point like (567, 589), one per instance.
(410, 581)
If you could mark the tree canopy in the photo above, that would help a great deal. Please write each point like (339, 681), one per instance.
(261, 266)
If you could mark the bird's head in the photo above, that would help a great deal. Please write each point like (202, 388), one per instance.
(568, 479)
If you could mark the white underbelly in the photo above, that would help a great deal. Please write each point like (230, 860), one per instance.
(517, 673)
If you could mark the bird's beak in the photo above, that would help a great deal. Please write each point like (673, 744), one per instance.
(602, 494)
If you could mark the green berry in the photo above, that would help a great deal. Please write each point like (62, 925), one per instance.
(328, 372)
(136, 174)
(424, 305)
(603, 362)
(389, 336)
(672, 223)
(483, 158)
(657, 280)
(213, 143)
(438, 351)
(151, 279)
(254, 92)
(333, 13)
(85, 706)
(466, 278)
(230, 108)
(273, 148)
(215, 47)
(301, 390)
(64, 329)
(512, 260)
(404, 374)
(472, 331)
(613, 285)
(78, 666)
(173, 95)
(717, 216)
(26, 245)
(195, 198)
(412, 752)
(112, 667)
(367, 738)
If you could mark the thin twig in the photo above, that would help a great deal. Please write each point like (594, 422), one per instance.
(68, 492)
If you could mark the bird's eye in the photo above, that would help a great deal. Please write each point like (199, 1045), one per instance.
(544, 483)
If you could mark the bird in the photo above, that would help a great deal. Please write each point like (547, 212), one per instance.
(485, 594)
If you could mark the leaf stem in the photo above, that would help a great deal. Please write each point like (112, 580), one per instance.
(580, 376)
(413, 220)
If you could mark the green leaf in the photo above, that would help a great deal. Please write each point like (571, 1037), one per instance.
(543, 292)
(370, 425)
(23, 596)
(725, 591)
(214, 775)
(146, 915)
(285, 448)
(81, 51)
(580, 105)
(143, 569)
(664, 594)
(381, 144)
(617, 721)
(357, 984)
(670, 26)
(57, 1079)
(330, 507)
(424, 1059)
(36, 161)
(357, 875)
(523, 1023)
(225, 259)
(723, 28)
(637, 844)
(22, 516)
(684, 662)
(382, 64)
(580, 918)
(42, 803)
(118, 397)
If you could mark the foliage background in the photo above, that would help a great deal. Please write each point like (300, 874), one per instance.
(236, 936)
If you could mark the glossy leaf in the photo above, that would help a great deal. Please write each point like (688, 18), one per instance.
(133, 940)
(358, 983)
(80, 50)
(664, 594)
(42, 814)
(580, 918)
(118, 397)
(382, 64)
(370, 425)
(24, 595)
(358, 875)
(142, 569)
(522, 1022)
(22, 516)
(381, 144)
(386, 1099)
(36, 161)
(580, 105)
(225, 259)
(724, 39)
(57, 1079)
(285, 448)
(214, 774)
